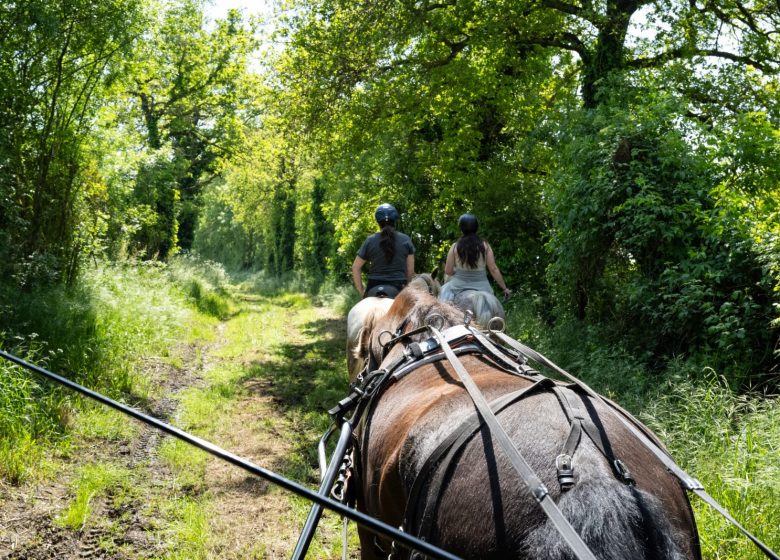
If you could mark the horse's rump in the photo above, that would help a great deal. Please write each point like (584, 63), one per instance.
(360, 321)
(483, 305)
(476, 505)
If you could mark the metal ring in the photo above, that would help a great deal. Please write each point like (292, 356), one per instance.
(389, 340)
(501, 325)
(435, 320)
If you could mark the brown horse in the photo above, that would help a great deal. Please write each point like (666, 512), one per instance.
(475, 505)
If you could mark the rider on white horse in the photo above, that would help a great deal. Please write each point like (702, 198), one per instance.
(468, 261)
(390, 255)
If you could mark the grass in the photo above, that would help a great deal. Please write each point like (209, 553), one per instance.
(94, 481)
(97, 333)
(729, 441)
(188, 535)
(277, 339)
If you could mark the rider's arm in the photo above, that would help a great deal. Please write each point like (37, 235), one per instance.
(409, 267)
(449, 266)
(357, 279)
(490, 261)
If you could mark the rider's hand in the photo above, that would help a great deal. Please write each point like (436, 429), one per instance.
(507, 293)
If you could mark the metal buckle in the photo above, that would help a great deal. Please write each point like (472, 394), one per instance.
(565, 471)
(436, 320)
(623, 472)
(500, 325)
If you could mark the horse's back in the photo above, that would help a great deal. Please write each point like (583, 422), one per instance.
(479, 508)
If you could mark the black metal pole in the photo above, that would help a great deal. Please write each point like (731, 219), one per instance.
(373, 525)
(304, 540)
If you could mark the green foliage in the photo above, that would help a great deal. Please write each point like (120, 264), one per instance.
(645, 241)
(57, 59)
(221, 237)
(95, 332)
(185, 84)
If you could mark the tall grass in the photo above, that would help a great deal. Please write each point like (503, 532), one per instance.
(94, 333)
(727, 440)
(731, 443)
(204, 283)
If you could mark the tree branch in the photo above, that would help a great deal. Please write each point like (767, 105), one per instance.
(570, 9)
(685, 53)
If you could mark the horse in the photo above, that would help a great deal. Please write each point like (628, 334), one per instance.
(474, 504)
(370, 309)
(483, 305)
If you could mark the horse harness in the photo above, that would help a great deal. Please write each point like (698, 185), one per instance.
(448, 345)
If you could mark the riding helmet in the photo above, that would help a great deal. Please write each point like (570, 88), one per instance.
(468, 224)
(386, 213)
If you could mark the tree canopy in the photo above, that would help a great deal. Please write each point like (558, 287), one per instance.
(621, 154)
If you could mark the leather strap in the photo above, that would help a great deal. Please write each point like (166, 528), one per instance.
(687, 481)
(450, 446)
(532, 481)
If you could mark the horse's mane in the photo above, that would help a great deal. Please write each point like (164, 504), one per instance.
(413, 306)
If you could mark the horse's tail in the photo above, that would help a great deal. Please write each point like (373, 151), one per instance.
(630, 524)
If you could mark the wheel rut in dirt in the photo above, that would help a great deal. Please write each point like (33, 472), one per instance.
(34, 532)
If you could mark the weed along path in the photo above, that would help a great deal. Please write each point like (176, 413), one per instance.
(257, 384)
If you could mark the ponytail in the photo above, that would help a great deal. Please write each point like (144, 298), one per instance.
(387, 241)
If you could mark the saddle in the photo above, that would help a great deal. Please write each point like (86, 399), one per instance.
(382, 291)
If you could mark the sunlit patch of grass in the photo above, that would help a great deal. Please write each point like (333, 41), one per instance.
(188, 535)
(100, 422)
(295, 301)
(731, 443)
(21, 458)
(93, 482)
(188, 464)
(201, 328)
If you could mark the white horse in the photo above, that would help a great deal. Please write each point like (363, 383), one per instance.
(483, 305)
(364, 315)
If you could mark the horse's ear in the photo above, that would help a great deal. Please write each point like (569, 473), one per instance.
(435, 273)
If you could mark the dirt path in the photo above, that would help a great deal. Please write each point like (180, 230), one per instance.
(258, 388)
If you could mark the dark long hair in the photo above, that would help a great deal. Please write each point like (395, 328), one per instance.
(469, 248)
(387, 241)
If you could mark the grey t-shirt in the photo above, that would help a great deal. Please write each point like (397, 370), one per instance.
(378, 267)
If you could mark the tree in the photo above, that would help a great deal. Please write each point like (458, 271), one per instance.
(505, 107)
(187, 86)
(56, 59)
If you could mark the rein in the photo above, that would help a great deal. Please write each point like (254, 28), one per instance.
(512, 357)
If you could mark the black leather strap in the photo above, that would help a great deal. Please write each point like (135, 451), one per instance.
(441, 459)
(532, 481)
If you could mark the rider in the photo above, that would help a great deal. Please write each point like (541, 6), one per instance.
(467, 261)
(390, 255)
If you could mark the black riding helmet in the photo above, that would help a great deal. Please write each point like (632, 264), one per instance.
(386, 213)
(468, 224)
